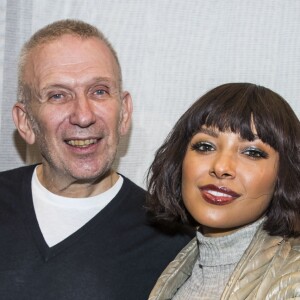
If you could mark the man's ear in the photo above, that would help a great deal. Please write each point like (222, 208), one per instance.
(126, 113)
(22, 122)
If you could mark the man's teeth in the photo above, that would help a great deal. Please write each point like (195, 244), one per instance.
(82, 143)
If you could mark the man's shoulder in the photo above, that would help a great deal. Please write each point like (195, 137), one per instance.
(13, 176)
(14, 183)
(133, 188)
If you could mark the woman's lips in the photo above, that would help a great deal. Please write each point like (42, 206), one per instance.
(218, 195)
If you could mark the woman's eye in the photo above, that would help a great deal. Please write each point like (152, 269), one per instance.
(255, 153)
(203, 147)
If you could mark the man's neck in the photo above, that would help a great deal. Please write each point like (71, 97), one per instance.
(75, 188)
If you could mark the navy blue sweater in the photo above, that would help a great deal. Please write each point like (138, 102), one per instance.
(116, 255)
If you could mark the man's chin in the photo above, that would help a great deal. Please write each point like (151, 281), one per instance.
(90, 176)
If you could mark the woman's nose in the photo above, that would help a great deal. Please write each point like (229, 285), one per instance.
(223, 166)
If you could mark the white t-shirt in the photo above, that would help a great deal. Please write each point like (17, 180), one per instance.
(59, 217)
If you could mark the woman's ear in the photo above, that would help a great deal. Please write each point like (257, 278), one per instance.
(22, 122)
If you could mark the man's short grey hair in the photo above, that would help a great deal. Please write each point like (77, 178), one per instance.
(50, 33)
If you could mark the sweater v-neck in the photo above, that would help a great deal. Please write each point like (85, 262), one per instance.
(31, 222)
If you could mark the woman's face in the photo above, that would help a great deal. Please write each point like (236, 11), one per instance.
(227, 182)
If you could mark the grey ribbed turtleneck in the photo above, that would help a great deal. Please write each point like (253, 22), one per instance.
(216, 262)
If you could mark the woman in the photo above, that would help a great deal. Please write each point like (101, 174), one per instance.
(231, 168)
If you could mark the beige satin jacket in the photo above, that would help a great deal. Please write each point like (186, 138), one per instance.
(269, 269)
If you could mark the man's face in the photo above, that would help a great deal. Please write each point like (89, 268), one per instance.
(77, 110)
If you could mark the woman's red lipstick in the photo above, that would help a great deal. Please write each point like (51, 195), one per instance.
(218, 195)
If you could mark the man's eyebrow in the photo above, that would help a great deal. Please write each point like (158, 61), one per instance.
(51, 86)
(103, 79)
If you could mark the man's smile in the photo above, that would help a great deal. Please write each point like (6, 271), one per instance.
(81, 142)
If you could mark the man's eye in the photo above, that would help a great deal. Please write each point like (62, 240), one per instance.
(203, 147)
(100, 92)
(255, 153)
(56, 96)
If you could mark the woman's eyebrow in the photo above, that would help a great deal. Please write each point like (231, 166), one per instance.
(255, 137)
(216, 133)
(209, 131)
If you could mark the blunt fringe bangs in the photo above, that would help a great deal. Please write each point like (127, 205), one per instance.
(235, 107)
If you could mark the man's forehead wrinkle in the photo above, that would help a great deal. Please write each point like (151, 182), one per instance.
(70, 82)
(46, 61)
(49, 75)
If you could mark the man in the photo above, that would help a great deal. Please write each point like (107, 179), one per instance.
(71, 227)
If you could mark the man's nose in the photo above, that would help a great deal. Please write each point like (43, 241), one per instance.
(223, 166)
(83, 114)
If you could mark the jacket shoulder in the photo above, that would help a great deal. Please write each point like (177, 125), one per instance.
(269, 269)
(176, 273)
(295, 244)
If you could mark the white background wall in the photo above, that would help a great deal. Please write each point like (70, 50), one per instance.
(171, 52)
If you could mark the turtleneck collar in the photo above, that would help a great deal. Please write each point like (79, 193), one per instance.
(217, 251)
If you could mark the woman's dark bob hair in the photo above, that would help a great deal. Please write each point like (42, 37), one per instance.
(233, 107)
